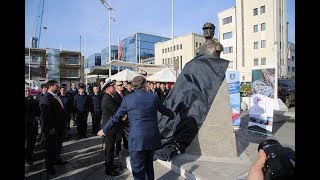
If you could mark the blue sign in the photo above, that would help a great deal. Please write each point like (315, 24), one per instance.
(233, 80)
(133, 38)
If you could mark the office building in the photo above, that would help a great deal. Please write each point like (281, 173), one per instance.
(254, 35)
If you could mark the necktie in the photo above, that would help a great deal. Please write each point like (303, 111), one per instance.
(56, 96)
(121, 95)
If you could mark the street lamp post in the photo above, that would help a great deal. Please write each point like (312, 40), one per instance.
(109, 9)
(175, 61)
(30, 62)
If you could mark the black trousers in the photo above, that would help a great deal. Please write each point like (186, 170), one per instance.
(68, 121)
(96, 121)
(142, 164)
(53, 146)
(110, 140)
(31, 137)
(82, 118)
(121, 137)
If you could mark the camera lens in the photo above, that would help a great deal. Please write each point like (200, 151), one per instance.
(280, 160)
(267, 143)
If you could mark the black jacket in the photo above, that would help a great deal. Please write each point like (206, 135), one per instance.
(82, 103)
(95, 102)
(53, 114)
(32, 109)
(109, 107)
(67, 103)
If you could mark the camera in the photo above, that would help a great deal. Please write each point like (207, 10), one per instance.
(280, 163)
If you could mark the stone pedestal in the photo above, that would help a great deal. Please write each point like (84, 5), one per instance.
(216, 136)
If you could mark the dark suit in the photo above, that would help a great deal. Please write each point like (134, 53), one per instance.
(82, 105)
(31, 125)
(39, 99)
(162, 95)
(109, 106)
(53, 117)
(121, 134)
(144, 137)
(72, 93)
(68, 106)
(96, 113)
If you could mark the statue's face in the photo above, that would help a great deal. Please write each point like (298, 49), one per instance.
(208, 33)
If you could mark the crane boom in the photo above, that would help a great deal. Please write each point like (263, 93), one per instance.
(37, 33)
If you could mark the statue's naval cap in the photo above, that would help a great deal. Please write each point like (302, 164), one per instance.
(208, 25)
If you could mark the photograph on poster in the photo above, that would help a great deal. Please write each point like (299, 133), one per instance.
(261, 112)
(263, 82)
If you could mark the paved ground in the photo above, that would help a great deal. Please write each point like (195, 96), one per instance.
(87, 162)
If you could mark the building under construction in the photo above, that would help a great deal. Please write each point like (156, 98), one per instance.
(62, 66)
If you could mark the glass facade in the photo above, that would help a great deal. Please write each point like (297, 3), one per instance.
(105, 54)
(114, 55)
(53, 64)
(139, 46)
(94, 60)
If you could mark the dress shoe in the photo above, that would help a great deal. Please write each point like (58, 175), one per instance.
(60, 162)
(51, 171)
(114, 172)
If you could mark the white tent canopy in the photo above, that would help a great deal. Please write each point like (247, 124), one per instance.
(165, 75)
(125, 75)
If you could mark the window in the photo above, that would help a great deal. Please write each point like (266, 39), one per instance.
(255, 45)
(263, 26)
(263, 43)
(289, 68)
(262, 9)
(263, 61)
(227, 35)
(255, 28)
(180, 63)
(230, 64)
(243, 78)
(174, 48)
(196, 44)
(162, 61)
(227, 20)
(162, 51)
(199, 44)
(292, 58)
(255, 11)
(171, 49)
(33, 59)
(256, 61)
(177, 47)
(227, 50)
(180, 46)
(292, 69)
(166, 50)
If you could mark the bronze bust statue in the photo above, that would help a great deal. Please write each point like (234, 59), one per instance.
(210, 47)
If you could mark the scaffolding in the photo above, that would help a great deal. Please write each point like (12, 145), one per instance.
(62, 66)
(38, 63)
(71, 67)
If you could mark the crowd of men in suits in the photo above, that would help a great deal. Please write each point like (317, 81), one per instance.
(56, 107)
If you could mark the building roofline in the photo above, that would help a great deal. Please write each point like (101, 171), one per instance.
(151, 34)
(233, 7)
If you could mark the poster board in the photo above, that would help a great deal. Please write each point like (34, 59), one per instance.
(233, 80)
(261, 104)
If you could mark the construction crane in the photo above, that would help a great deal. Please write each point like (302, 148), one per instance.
(39, 16)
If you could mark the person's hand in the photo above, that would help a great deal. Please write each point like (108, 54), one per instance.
(255, 172)
(100, 133)
(52, 131)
